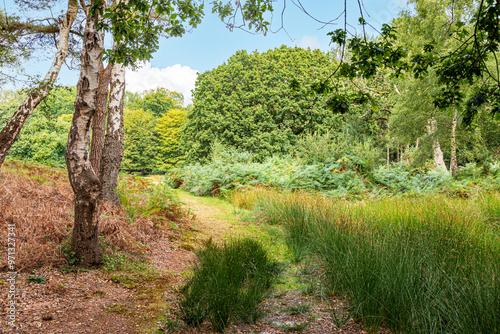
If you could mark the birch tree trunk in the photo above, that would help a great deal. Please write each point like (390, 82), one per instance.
(84, 181)
(438, 153)
(12, 129)
(113, 146)
(453, 161)
(99, 120)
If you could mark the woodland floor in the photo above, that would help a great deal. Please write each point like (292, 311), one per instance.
(138, 300)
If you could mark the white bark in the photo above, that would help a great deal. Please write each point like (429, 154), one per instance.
(84, 181)
(113, 145)
(438, 153)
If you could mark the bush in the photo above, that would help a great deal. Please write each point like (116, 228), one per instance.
(339, 178)
(252, 108)
(229, 283)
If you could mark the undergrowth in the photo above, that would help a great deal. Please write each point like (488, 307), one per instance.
(39, 201)
(349, 177)
(418, 265)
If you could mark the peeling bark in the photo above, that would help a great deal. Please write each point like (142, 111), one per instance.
(99, 120)
(12, 129)
(84, 181)
(113, 147)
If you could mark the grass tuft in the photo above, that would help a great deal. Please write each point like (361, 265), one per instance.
(229, 282)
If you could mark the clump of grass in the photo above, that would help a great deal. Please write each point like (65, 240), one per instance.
(246, 198)
(490, 205)
(142, 197)
(229, 282)
(423, 265)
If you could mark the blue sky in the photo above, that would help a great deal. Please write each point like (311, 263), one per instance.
(178, 60)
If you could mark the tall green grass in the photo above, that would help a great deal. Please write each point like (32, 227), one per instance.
(417, 265)
(229, 282)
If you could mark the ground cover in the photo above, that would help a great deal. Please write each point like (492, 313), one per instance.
(147, 258)
(348, 177)
(420, 265)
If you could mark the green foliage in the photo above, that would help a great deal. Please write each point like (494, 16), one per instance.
(348, 177)
(250, 11)
(60, 101)
(37, 279)
(140, 141)
(152, 123)
(42, 139)
(400, 180)
(168, 130)
(65, 249)
(247, 103)
(157, 101)
(424, 265)
(319, 148)
(229, 282)
(141, 197)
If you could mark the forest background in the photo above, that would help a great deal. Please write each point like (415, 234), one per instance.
(258, 119)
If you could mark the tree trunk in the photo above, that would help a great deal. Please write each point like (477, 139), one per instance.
(113, 147)
(438, 153)
(83, 179)
(99, 120)
(453, 161)
(12, 129)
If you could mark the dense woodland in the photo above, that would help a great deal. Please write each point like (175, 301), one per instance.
(364, 180)
(247, 126)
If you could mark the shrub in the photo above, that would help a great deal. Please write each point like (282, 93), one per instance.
(398, 179)
(229, 283)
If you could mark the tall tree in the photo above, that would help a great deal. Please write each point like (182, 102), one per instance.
(168, 131)
(141, 141)
(113, 145)
(247, 103)
(83, 179)
(158, 101)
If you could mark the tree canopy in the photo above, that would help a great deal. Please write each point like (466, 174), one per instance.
(158, 101)
(247, 103)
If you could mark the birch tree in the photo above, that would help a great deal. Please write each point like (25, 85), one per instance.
(136, 26)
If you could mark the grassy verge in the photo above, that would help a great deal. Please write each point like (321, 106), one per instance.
(423, 265)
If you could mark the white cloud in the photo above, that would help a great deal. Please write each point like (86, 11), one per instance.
(176, 78)
(309, 42)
